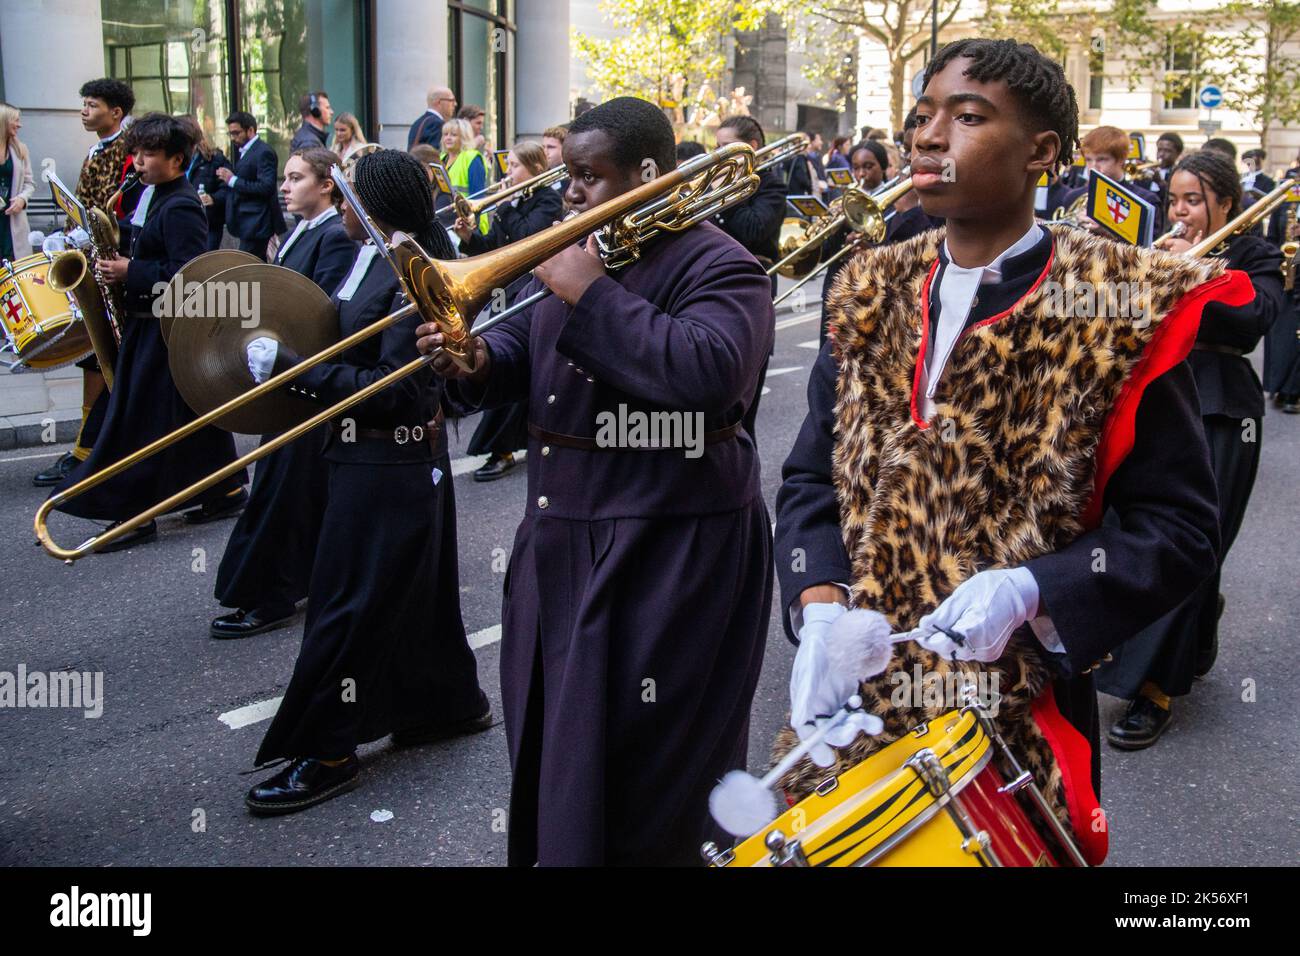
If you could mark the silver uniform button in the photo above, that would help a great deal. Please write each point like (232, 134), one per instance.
(546, 450)
(543, 502)
(550, 399)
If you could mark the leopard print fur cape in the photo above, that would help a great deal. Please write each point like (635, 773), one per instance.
(1000, 475)
(101, 175)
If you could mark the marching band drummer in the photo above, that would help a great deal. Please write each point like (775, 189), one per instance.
(502, 431)
(967, 430)
(1160, 663)
(383, 612)
(168, 229)
(267, 563)
(626, 674)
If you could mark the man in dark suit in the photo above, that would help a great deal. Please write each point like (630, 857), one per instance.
(252, 207)
(317, 115)
(428, 128)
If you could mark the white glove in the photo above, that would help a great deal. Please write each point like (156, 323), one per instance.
(984, 609)
(837, 649)
(78, 238)
(261, 357)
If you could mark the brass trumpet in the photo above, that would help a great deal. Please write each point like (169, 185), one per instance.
(449, 294)
(865, 213)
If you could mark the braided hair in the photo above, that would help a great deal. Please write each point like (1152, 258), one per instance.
(1216, 174)
(395, 189)
(1038, 83)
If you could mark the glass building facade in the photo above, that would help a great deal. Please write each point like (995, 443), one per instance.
(210, 57)
(481, 38)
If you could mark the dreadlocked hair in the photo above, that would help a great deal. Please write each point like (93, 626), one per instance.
(1216, 174)
(394, 188)
(1038, 83)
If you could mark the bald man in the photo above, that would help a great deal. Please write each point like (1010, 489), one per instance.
(441, 102)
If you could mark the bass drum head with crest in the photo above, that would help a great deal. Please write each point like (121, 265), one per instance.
(207, 353)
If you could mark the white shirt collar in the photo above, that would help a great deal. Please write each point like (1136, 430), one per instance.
(103, 143)
(303, 226)
(957, 288)
(251, 140)
(993, 271)
(367, 254)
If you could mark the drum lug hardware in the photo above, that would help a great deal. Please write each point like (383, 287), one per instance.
(783, 853)
(921, 729)
(714, 857)
(977, 844)
(1019, 783)
(827, 786)
(930, 769)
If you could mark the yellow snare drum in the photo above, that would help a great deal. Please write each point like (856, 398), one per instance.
(42, 327)
(932, 798)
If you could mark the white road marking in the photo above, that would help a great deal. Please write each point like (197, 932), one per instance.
(251, 714)
(764, 391)
(489, 635)
(784, 371)
(265, 709)
(813, 344)
(799, 319)
(44, 454)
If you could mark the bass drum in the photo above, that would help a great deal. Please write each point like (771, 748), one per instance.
(42, 328)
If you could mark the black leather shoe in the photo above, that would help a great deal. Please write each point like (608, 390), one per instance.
(226, 506)
(61, 468)
(303, 783)
(1141, 726)
(247, 623)
(432, 733)
(497, 466)
(146, 532)
(1291, 405)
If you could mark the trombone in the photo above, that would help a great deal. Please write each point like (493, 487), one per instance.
(864, 212)
(779, 151)
(472, 207)
(1257, 211)
(448, 294)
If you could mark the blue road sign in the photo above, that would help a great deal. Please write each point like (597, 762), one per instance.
(1210, 97)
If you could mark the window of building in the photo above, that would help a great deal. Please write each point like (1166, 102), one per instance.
(174, 56)
(210, 57)
(480, 62)
(1096, 71)
(1180, 73)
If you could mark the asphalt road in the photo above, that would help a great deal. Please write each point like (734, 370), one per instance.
(157, 778)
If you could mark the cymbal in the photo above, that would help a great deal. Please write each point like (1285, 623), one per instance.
(199, 269)
(207, 354)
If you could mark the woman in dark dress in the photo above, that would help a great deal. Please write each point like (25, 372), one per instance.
(384, 647)
(503, 430)
(168, 229)
(267, 564)
(202, 173)
(1161, 661)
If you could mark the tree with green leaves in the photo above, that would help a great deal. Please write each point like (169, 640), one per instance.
(671, 52)
(901, 27)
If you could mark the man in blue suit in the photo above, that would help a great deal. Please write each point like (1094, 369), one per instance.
(428, 128)
(252, 205)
